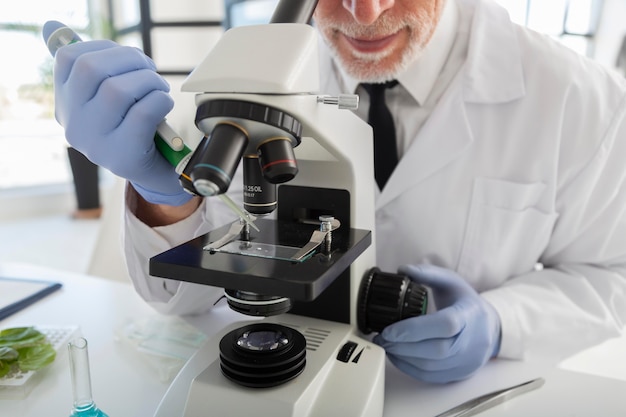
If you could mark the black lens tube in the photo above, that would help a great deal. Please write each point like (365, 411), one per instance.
(216, 158)
(277, 160)
(259, 195)
(386, 298)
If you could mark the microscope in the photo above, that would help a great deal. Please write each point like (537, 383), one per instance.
(302, 262)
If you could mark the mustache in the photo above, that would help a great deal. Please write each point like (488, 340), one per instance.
(384, 26)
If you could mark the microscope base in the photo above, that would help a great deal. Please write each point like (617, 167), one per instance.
(327, 386)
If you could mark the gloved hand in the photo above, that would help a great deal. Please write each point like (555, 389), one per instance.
(110, 99)
(451, 343)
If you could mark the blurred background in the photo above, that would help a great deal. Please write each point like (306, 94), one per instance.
(37, 195)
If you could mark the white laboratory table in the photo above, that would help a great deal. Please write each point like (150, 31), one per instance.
(593, 383)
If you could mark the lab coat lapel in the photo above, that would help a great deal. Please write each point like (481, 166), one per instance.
(492, 74)
(443, 138)
(494, 67)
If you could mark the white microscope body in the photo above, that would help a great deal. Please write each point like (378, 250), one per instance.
(276, 65)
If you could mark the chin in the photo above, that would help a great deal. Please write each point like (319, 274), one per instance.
(377, 68)
(370, 71)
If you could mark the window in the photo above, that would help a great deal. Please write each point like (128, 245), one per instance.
(32, 147)
(573, 22)
(176, 35)
(248, 12)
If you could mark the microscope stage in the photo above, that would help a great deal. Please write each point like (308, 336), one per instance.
(302, 281)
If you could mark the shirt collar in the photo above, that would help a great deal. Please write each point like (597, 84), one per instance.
(419, 78)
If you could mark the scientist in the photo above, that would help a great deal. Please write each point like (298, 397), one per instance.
(508, 200)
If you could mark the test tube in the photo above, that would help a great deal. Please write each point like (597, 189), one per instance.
(83, 405)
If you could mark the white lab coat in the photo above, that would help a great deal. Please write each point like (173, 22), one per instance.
(522, 162)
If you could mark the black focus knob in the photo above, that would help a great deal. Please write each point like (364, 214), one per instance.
(386, 298)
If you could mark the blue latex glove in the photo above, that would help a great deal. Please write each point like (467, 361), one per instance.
(451, 343)
(110, 99)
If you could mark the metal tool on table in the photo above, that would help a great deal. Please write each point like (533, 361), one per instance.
(309, 270)
(485, 402)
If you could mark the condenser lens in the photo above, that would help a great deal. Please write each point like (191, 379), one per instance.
(262, 340)
(262, 355)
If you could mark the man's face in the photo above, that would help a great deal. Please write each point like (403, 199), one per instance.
(374, 40)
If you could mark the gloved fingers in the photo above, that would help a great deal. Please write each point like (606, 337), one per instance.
(165, 186)
(91, 69)
(143, 117)
(433, 349)
(140, 96)
(441, 324)
(432, 365)
(433, 372)
(435, 277)
(66, 56)
(125, 143)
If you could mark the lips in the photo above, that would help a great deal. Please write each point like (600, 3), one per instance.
(371, 45)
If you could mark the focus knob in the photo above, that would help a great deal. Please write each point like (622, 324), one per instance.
(386, 298)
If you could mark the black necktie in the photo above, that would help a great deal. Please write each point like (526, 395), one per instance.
(379, 117)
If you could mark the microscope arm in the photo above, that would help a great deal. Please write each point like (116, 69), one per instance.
(294, 11)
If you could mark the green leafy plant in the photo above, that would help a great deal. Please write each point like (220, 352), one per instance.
(24, 349)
